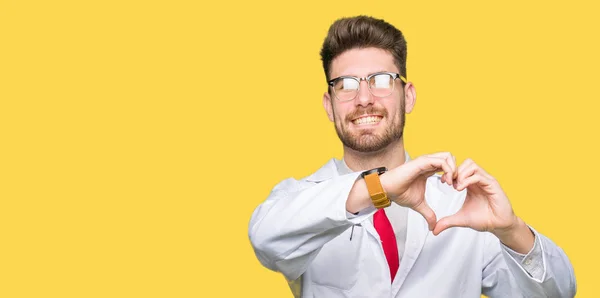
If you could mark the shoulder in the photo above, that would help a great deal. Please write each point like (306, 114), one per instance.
(327, 171)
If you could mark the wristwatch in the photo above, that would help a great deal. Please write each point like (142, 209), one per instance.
(376, 191)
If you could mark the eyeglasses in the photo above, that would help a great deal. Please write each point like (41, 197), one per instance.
(381, 84)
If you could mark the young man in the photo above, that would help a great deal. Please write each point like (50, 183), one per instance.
(378, 224)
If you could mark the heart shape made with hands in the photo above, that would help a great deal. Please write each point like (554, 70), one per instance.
(486, 207)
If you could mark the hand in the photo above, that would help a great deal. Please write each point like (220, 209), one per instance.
(405, 185)
(486, 207)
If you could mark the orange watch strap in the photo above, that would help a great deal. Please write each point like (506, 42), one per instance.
(378, 195)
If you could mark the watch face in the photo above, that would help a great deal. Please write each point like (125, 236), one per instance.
(380, 171)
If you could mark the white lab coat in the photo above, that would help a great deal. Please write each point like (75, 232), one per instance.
(303, 231)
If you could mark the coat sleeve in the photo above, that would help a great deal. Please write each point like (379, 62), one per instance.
(290, 227)
(504, 276)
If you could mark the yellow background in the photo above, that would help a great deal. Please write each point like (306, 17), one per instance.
(137, 137)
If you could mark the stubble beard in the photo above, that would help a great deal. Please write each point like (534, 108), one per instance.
(368, 141)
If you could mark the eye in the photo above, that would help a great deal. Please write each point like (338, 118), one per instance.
(346, 84)
(381, 81)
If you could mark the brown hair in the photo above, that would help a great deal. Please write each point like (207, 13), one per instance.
(362, 32)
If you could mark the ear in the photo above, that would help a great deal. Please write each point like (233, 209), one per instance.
(327, 106)
(410, 97)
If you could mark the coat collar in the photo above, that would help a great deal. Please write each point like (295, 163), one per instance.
(335, 167)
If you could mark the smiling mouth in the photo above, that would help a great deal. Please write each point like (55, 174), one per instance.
(367, 120)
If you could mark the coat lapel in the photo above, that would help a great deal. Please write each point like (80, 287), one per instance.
(416, 234)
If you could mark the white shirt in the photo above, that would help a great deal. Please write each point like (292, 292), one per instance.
(303, 231)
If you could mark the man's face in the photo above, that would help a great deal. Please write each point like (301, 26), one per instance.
(368, 123)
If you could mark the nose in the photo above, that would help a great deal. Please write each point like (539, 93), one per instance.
(364, 96)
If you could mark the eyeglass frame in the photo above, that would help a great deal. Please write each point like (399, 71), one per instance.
(366, 79)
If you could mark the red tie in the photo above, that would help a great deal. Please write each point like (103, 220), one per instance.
(388, 240)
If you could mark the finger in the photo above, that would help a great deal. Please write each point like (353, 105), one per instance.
(427, 213)
(440, 154)
(475, 179)
(467, 163)
(470, 168)
(451, 160)
(460, 169)
(467, 169)
(456, 220)
(445, 178)
(448, 176)
(432, 165)
(455, 174)
(425, 165)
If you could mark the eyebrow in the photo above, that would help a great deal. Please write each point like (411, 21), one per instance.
(353, 75)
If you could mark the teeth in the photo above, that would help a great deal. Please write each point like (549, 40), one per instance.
(367, 120)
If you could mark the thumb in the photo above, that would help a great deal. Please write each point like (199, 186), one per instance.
(456, 220)
(424, 209)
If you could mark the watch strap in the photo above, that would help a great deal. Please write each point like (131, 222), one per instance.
(376, 191)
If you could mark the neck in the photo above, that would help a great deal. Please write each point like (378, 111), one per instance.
(390, 157)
